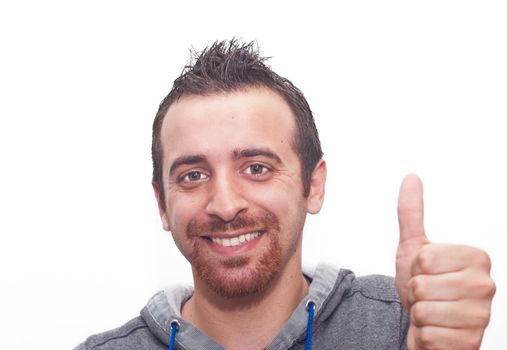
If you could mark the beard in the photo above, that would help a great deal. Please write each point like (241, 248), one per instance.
(241, 276)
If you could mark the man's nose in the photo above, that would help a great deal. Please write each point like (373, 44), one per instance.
(226, 199)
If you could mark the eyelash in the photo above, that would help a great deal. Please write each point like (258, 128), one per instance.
(265, 169)
(185, 177)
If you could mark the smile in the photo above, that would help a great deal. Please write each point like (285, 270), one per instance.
(236, 241)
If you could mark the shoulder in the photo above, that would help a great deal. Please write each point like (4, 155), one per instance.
(132, 335)
(375, 287)
(358, 312)
(372, 303)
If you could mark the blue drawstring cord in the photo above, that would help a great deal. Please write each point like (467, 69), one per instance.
(175, 327)
(310, 306)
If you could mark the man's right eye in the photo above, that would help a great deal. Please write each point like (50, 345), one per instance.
(194, 176)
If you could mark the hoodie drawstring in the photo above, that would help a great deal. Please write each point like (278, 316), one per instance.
(175, 327)
(310, 306)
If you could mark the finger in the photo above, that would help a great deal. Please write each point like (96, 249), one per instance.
(451, 314)
(442, 258)
(440, 338)
(411, 209)
(450, 286)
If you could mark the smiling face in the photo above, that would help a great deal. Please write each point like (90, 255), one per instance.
(233, 190)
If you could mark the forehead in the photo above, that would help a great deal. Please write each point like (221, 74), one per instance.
(222, 123)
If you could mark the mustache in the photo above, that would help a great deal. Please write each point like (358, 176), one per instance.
(267, 220)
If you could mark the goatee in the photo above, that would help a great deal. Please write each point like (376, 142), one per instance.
(234, 277)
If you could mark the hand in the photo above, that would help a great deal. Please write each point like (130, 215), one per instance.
(445, 289)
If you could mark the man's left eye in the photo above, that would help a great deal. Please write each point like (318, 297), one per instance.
(256, 169)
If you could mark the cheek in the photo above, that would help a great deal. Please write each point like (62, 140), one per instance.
(183, 206)
(284, 191)
(180, 210)
(287, 204)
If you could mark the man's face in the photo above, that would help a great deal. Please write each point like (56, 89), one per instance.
(233, 188)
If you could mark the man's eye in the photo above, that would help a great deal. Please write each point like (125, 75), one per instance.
(194, 176)
(256, 169)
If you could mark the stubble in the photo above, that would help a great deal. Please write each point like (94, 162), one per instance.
(242, 276)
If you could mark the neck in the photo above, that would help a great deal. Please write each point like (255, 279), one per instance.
(250, 322)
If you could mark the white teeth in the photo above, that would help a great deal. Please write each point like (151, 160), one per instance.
(236, 241)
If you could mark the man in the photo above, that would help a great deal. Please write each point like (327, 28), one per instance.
(237, 166)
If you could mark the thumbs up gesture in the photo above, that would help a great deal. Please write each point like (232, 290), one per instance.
(445, 289)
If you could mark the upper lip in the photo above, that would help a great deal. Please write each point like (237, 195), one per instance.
(232, 234)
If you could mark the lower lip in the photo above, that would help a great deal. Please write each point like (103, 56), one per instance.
(233, 250)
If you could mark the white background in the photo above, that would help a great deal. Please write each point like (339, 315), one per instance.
(395, 86)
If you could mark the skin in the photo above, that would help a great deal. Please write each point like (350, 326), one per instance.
(222, 187)
(446, 289)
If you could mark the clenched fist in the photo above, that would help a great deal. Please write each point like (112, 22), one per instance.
(445, 289)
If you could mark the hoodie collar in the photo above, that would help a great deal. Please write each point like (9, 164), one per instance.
(165, 306)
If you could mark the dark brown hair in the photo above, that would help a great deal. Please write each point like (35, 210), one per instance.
(230, 66)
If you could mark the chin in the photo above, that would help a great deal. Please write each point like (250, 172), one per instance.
(239, 277)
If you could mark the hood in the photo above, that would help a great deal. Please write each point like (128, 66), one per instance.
(327, 287)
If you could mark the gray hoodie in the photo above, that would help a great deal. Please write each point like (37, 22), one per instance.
(350, 313)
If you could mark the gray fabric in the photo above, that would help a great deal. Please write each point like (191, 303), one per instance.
(350, 313)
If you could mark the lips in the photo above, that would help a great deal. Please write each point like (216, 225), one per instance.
(237, 240)
(235, 237)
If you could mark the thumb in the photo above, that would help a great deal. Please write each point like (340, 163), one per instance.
(412, 236)
(411, 210)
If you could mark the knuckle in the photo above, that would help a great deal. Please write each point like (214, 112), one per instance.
(483, 317)
(487, 288)
(419, 314)
(475, 341)
(483, 260)
(490, 288)
(426, 337)
(417, 285)
(426, 259)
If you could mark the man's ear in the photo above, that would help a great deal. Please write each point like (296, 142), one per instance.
(161, 207)
(317, 188)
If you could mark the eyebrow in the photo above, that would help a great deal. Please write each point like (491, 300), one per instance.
(186, 160)
(255, 152)
(238, 154)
